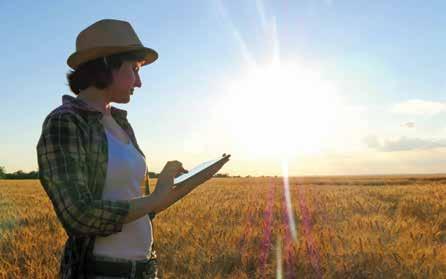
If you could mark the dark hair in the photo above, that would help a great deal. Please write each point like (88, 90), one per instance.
(98, 72)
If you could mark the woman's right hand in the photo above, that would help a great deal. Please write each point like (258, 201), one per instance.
(164, 185)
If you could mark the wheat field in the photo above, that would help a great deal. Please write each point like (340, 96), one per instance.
(340, 227)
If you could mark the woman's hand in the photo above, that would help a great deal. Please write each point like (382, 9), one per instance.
(161, 197)
(164, 185)
(168, 195)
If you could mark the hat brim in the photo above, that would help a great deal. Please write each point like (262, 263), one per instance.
(80, 57)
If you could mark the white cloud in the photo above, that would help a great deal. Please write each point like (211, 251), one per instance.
(372, 142)
(408, 125)
(403, 144)
(370, 162)
(419, 107)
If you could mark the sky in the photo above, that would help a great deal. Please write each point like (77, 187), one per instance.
(320, 87)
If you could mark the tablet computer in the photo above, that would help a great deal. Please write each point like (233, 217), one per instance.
(198, 169)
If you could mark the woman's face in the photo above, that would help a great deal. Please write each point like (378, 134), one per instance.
(125, 79)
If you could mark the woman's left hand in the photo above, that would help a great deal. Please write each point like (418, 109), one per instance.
(185, 187)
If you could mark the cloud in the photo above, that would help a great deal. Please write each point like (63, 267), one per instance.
(372, 142)
(402, 144)
(419, 107)
(408, 125)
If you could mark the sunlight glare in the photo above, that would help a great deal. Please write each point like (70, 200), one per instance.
(281, 110)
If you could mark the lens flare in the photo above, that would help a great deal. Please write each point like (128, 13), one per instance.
(289, 207)
(267, 228)
(307, 227)
(279, 271)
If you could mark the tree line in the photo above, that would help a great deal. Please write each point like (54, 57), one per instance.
(35, 174)
(18, 174)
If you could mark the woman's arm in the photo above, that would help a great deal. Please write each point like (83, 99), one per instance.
(63, 169)
(165, 194)
(139, 207)
(158, 200)
(176, 194)
(186, 187)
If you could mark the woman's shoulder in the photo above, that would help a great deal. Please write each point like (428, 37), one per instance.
(65, 114)
(72, 110)
(65, 117)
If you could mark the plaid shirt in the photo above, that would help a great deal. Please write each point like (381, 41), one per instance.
(72, 156)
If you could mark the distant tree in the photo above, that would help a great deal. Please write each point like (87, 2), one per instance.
(2, 172)
(221, 175)
(22, 175)
(33, 175)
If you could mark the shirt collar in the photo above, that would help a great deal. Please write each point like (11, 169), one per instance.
(79, 104)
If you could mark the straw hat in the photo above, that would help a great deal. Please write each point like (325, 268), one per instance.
(107, 37)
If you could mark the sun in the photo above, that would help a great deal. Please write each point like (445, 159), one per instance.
(280, 111)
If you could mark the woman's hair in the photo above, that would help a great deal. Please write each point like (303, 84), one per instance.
(98, 72)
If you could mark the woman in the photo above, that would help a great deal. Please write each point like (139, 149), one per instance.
(91, 166)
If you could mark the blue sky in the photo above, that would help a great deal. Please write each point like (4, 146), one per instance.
(342, 87)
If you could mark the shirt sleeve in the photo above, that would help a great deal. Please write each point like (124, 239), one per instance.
(63, 173)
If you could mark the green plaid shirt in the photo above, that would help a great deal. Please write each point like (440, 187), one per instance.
(72, 155)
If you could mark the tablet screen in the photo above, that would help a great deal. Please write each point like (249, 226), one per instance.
(201, 167)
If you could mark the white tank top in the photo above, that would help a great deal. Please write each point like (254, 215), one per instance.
(125, 173)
